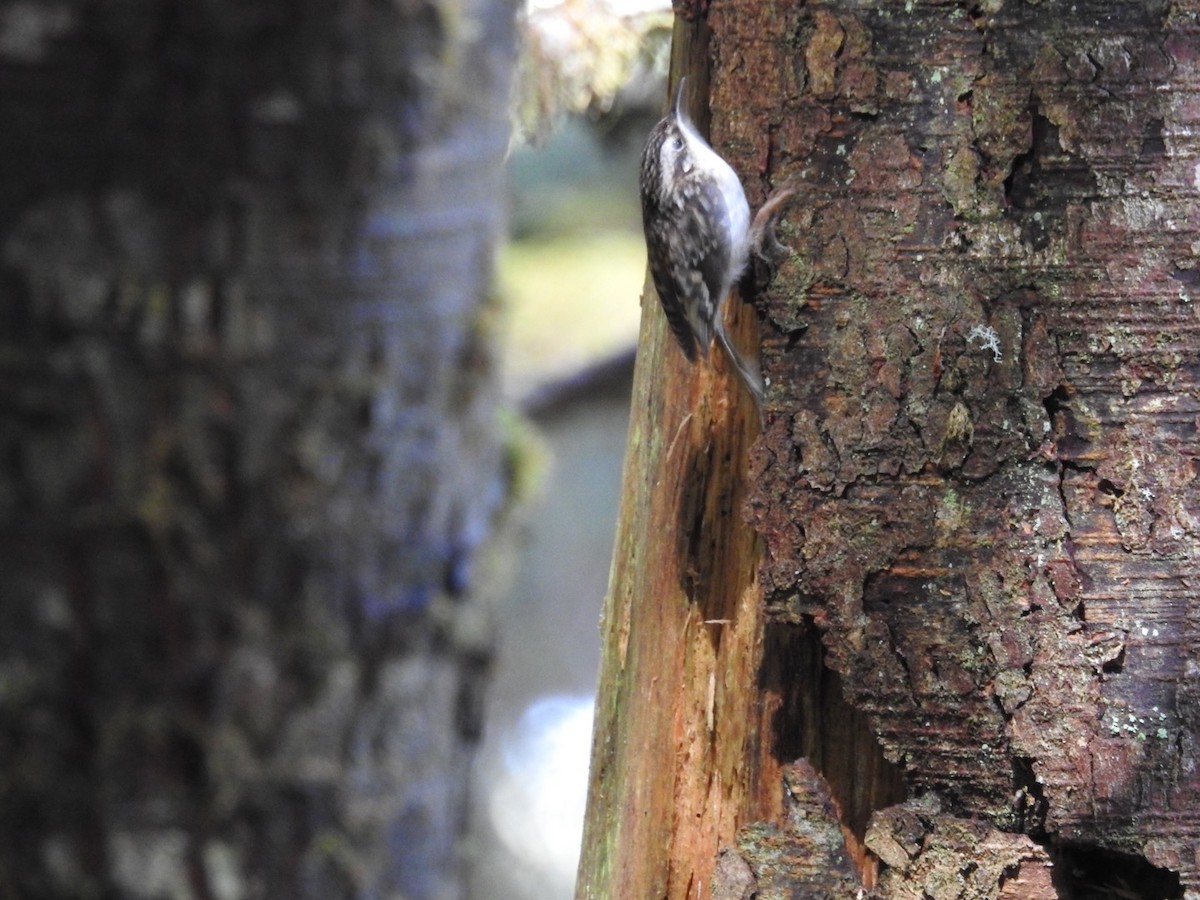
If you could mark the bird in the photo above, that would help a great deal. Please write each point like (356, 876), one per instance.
(699, 235)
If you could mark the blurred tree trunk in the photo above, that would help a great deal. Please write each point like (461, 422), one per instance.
(248, 444)
(974, 582)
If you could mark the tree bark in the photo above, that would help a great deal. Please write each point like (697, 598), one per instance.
(248, 454)
(973, 583)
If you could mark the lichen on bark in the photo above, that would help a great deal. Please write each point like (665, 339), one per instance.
(977, 471)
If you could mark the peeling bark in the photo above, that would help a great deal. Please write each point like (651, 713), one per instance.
(931, 854)
(976, 479)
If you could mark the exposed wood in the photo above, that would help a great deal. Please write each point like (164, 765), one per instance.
(678, 728)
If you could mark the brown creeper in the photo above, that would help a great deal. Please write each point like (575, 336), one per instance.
(698, 235)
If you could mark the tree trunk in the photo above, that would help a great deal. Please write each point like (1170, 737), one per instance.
(248, 455)
(974, 582)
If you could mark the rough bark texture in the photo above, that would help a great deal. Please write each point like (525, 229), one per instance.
(976, 479)
(248, 453)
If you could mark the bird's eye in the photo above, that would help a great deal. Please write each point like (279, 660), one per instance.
(677, 142)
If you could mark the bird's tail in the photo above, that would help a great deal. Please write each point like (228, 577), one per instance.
(746, 370)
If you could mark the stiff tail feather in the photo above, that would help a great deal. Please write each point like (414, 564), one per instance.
(747, 371)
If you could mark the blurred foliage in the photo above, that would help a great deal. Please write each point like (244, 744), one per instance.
(578, 54)
(576, 301)
(580, 181)
(527, 457)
